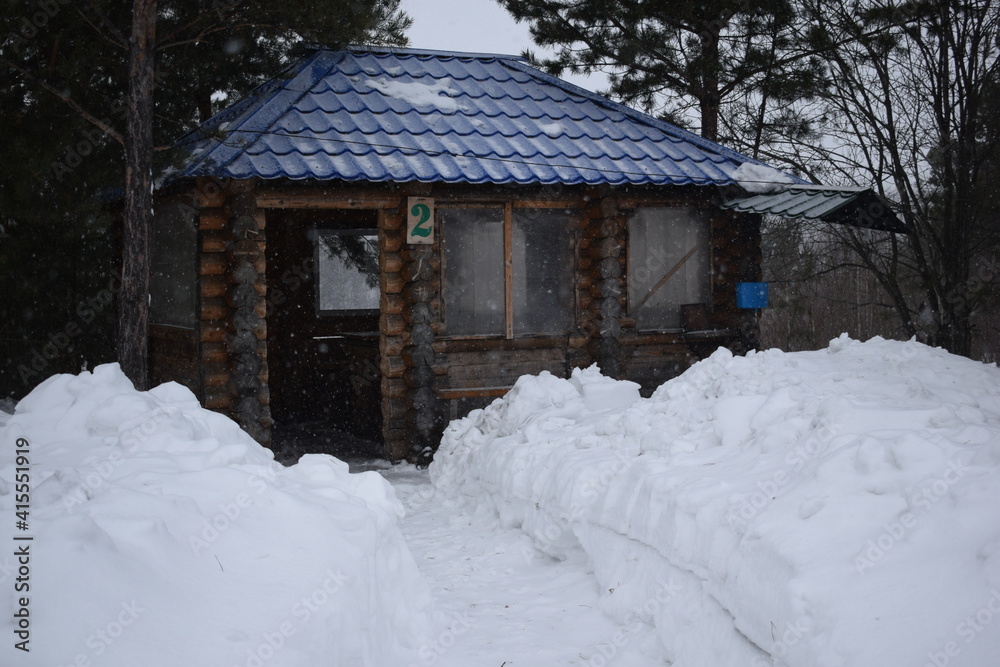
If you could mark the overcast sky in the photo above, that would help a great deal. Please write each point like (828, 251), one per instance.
(478, 26)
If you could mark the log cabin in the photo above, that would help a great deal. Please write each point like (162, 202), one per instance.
(379, 240)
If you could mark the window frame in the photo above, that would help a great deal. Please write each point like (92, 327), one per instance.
(574, 214)
(697, 213)
(317, 249)
(175, 216)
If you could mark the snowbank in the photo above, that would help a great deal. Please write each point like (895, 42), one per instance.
(163, 535)
(830, 508)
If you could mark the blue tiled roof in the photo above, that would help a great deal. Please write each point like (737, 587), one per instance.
(404, 115)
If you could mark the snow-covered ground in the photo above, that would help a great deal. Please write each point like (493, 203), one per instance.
(830, 508)
(499, 600)
(162, 535)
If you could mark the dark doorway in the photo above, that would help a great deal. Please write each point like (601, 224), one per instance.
(323, 359)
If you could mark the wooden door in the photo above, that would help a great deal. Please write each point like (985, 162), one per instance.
(323, 330)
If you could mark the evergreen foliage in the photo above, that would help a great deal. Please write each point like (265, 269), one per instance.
(63, 87)
(683, 59)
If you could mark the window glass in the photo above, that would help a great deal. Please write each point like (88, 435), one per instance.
(669, 259)
(174, 266)
(472, 247)
(348, 270)
(542, 281)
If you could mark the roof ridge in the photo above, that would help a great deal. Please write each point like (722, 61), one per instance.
(408, 51)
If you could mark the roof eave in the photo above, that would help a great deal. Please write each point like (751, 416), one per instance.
(859, 207)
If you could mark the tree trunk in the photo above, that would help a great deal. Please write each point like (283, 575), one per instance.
(133, 313)
(709, 98)
(204, 99)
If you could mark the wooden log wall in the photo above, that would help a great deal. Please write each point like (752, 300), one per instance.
(652, 359)
(421, 298)
(484, 364)
(216, 391)
(245, 303)
(233, 332)
(603, 257)
(396, 394)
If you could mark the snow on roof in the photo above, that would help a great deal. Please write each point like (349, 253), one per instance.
(761, 178)
(381, 114)
(438, 94)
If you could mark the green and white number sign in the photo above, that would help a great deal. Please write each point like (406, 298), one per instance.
(420, 220)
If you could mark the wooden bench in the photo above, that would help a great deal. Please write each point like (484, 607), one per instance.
(454, 394)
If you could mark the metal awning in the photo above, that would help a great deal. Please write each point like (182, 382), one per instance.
(860, 207)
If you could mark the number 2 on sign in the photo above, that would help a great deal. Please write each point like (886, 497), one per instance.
(423, 213)
(420, 221)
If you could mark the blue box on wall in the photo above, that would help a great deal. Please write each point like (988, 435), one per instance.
(751, 295)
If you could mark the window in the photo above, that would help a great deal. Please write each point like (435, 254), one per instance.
(669, 258)
(174, 266)
(348, 271)
(542, 276)
(507, 271)
(473, 270)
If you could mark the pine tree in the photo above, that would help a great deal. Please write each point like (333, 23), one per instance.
(64, 81)
(668, 57)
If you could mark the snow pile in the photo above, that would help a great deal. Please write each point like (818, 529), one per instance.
(163, 536)
(761, 179)
(552, 129)
(830, 508)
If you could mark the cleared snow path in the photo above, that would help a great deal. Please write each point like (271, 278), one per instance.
(499, 601)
